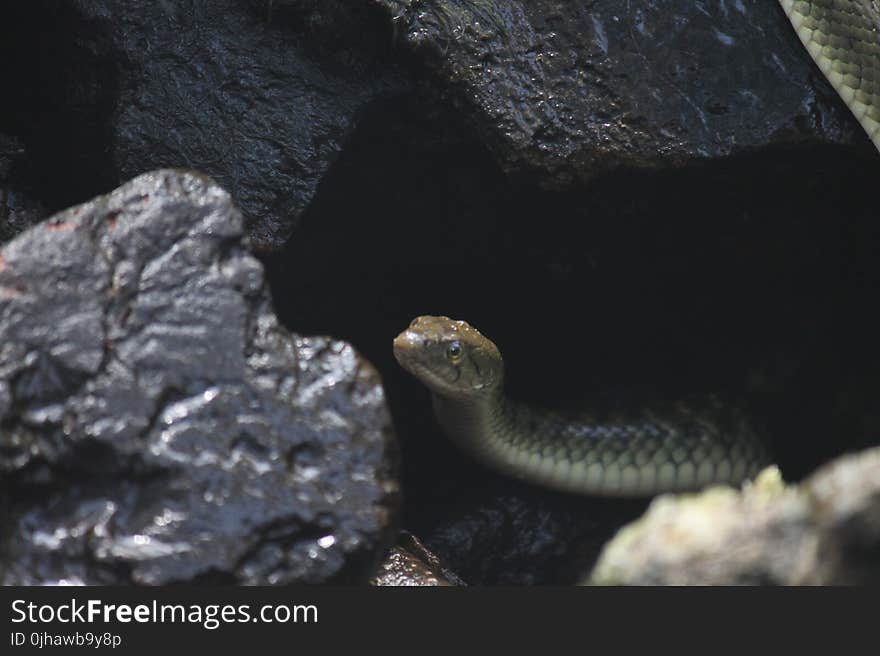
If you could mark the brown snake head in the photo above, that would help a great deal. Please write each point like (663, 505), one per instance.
(450, 357)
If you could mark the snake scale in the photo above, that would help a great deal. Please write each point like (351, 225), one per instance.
(678, 448)
(843, 38)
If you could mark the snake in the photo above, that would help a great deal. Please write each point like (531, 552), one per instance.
(843, 38)
(681, 447)
(672, 447)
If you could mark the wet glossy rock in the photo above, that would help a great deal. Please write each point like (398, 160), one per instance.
(157, 424)
(259, 95)
(570, 92)
(825, 531)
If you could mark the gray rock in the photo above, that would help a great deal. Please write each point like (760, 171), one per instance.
(157, 424)
(825, 531)
(259, 95)
(570, 92)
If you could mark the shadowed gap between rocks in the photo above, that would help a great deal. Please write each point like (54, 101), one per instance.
(61, 87)
(751, 277)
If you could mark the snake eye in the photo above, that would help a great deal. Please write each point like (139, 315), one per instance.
(454, 351)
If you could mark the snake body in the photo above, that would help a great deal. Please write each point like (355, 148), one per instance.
(843, 38)
(675, 448)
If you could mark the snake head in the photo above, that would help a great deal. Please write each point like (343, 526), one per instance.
(450, 357)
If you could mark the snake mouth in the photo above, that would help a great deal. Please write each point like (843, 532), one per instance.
(408, 347)
(412, 352)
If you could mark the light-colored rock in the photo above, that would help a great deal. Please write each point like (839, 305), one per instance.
(825, 530)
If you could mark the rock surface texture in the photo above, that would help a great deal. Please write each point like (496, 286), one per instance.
(157, 425)
(825, 531)
(410, 563)
(259, 95)
(569, 91)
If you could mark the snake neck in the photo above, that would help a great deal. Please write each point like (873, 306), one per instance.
(467, 420)
(490, 428)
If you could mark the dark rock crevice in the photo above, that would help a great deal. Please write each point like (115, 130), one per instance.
(750, 277)
(62, 85)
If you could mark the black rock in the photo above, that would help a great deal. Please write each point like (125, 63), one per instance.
(258, 94)
(156, 423)
(568, 92)
(514, 535)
